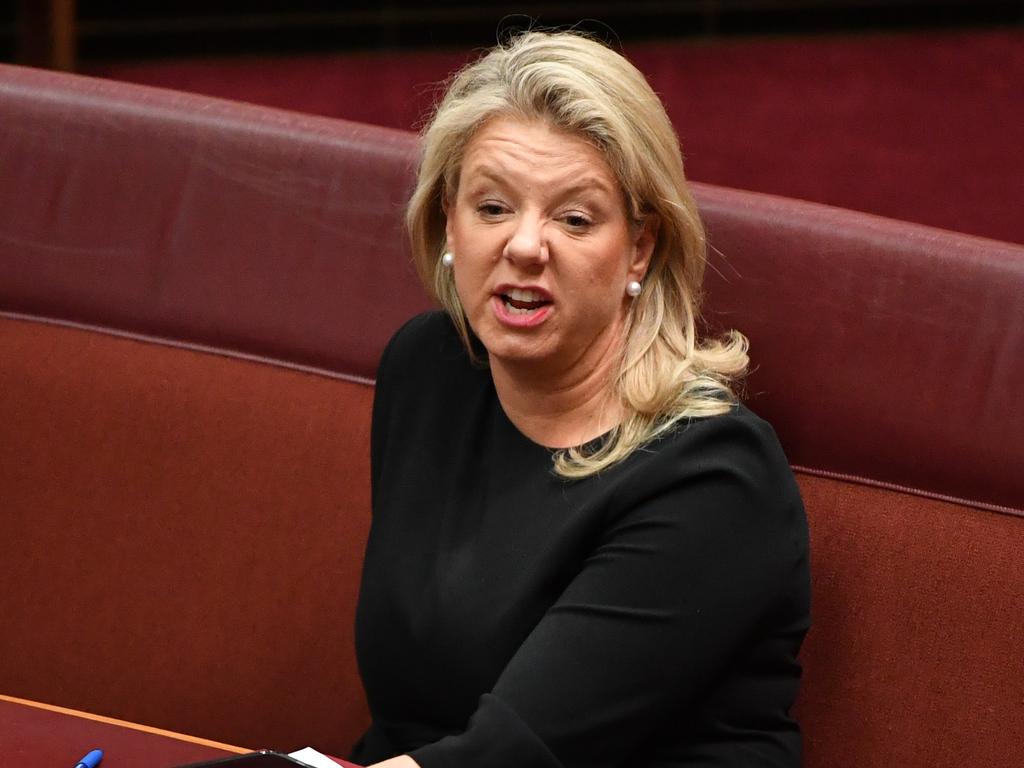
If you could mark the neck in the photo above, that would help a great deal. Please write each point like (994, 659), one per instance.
(561, 408)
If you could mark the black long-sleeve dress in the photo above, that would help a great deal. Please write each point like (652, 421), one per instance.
(646, 616)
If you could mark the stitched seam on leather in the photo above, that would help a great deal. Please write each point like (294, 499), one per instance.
(195, 347)
(860, 480)
(192, 346)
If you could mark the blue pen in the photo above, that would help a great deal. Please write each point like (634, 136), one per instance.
(91, 760)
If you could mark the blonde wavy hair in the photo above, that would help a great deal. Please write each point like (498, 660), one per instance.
(578, 85)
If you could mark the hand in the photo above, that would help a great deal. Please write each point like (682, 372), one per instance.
(402, 761)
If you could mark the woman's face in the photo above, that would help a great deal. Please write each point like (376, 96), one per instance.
(543, 248)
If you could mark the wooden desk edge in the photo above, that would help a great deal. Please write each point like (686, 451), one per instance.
(124, 724)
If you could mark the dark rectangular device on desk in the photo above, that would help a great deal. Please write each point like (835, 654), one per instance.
(261, 759)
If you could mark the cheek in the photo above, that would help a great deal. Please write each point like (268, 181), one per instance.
(468, 240)
(611, 264)
(599, 293)
(456, 227)
(470, 272)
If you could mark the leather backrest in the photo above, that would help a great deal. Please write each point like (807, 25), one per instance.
(202, 221)
(883, 350)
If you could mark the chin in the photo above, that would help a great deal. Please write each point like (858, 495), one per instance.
(504, 345)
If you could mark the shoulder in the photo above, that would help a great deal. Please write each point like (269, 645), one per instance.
(730, 467)
(426, 373)
(425, 344)
(421, 336)
(724, 483)
(738, 438)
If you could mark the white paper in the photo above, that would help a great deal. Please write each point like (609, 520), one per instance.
(312, 758)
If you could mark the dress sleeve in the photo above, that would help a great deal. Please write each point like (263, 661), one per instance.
(702, 545)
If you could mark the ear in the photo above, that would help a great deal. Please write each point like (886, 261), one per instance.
(643, 246)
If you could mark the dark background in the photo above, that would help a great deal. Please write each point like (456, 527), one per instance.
(908, 109)
(154, 28)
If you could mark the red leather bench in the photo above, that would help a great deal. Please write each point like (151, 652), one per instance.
(193, 296)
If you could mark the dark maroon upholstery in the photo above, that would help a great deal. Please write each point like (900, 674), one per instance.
(883, 350)
(203, 221)
(193, 295)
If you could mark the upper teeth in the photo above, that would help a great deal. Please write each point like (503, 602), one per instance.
(523, 294)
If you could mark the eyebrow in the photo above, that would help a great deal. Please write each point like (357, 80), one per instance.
(586, 184)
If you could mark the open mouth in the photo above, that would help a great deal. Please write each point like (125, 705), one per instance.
(522, 301)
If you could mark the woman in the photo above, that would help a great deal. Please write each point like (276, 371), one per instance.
(584, 551)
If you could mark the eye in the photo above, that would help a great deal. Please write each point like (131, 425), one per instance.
(490, 209)
(576, 220)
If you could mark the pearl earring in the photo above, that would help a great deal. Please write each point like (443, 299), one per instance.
(448, 258)
(633, 288)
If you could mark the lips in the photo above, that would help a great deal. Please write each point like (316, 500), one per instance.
(521, 300)
(521, 305)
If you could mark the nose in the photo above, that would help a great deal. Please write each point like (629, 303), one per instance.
(527, 245)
